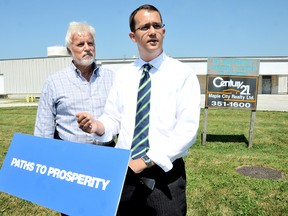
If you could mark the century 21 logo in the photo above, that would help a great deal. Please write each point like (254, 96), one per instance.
(219, 82)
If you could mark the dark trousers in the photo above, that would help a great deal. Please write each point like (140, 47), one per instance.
(167, 199)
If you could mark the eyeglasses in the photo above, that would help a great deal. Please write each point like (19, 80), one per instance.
(147, 26)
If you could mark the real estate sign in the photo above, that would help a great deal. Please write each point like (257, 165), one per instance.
(232, 83)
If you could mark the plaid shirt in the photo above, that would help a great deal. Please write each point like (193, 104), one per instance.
(66, 93)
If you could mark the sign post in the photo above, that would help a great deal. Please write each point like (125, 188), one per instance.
(231, 83)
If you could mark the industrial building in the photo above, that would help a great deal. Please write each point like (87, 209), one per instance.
(22, 77)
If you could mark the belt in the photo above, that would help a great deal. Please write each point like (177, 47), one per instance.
(156, 175)
(155, 172)
(111, 143)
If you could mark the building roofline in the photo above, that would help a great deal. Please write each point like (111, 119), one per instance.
(183, 59)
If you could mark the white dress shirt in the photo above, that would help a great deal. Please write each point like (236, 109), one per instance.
(174, 108)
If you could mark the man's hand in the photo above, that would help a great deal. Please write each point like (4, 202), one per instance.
(137, 165)
(86, 122)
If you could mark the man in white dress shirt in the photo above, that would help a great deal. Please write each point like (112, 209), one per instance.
(174, 121)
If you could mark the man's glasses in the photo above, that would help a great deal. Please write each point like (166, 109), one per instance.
(147, 26)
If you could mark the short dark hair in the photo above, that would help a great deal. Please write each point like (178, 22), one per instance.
(142, 7)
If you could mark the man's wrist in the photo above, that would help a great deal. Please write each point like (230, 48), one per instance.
(99, 129)
(149, 163)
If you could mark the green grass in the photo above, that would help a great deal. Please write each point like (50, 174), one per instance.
(213, 185)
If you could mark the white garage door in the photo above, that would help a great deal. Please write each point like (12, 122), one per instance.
(1, 83)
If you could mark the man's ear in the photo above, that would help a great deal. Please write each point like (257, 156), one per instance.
(69, 51)
(132, 36)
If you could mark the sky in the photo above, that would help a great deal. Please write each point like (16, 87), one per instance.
(194, 28)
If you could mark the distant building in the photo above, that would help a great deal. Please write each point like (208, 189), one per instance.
(57, 51)
(22, 77)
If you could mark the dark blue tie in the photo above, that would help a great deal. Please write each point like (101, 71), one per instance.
(140, 143)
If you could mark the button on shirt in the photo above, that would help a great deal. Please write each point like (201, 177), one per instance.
(174, 108)
(66, 93)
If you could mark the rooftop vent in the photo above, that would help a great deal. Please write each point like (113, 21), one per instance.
(55, 51)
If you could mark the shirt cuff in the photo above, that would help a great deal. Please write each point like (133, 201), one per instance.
(163, 162)
(106, 137)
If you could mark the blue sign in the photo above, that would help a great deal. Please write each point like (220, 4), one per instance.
(233, 67)
(68, 177)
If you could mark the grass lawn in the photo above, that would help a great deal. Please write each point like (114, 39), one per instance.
(213, 185)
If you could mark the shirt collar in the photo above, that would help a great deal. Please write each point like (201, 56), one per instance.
(156, 63)
(95, 71)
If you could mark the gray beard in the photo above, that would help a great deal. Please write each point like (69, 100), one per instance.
(84, 62)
